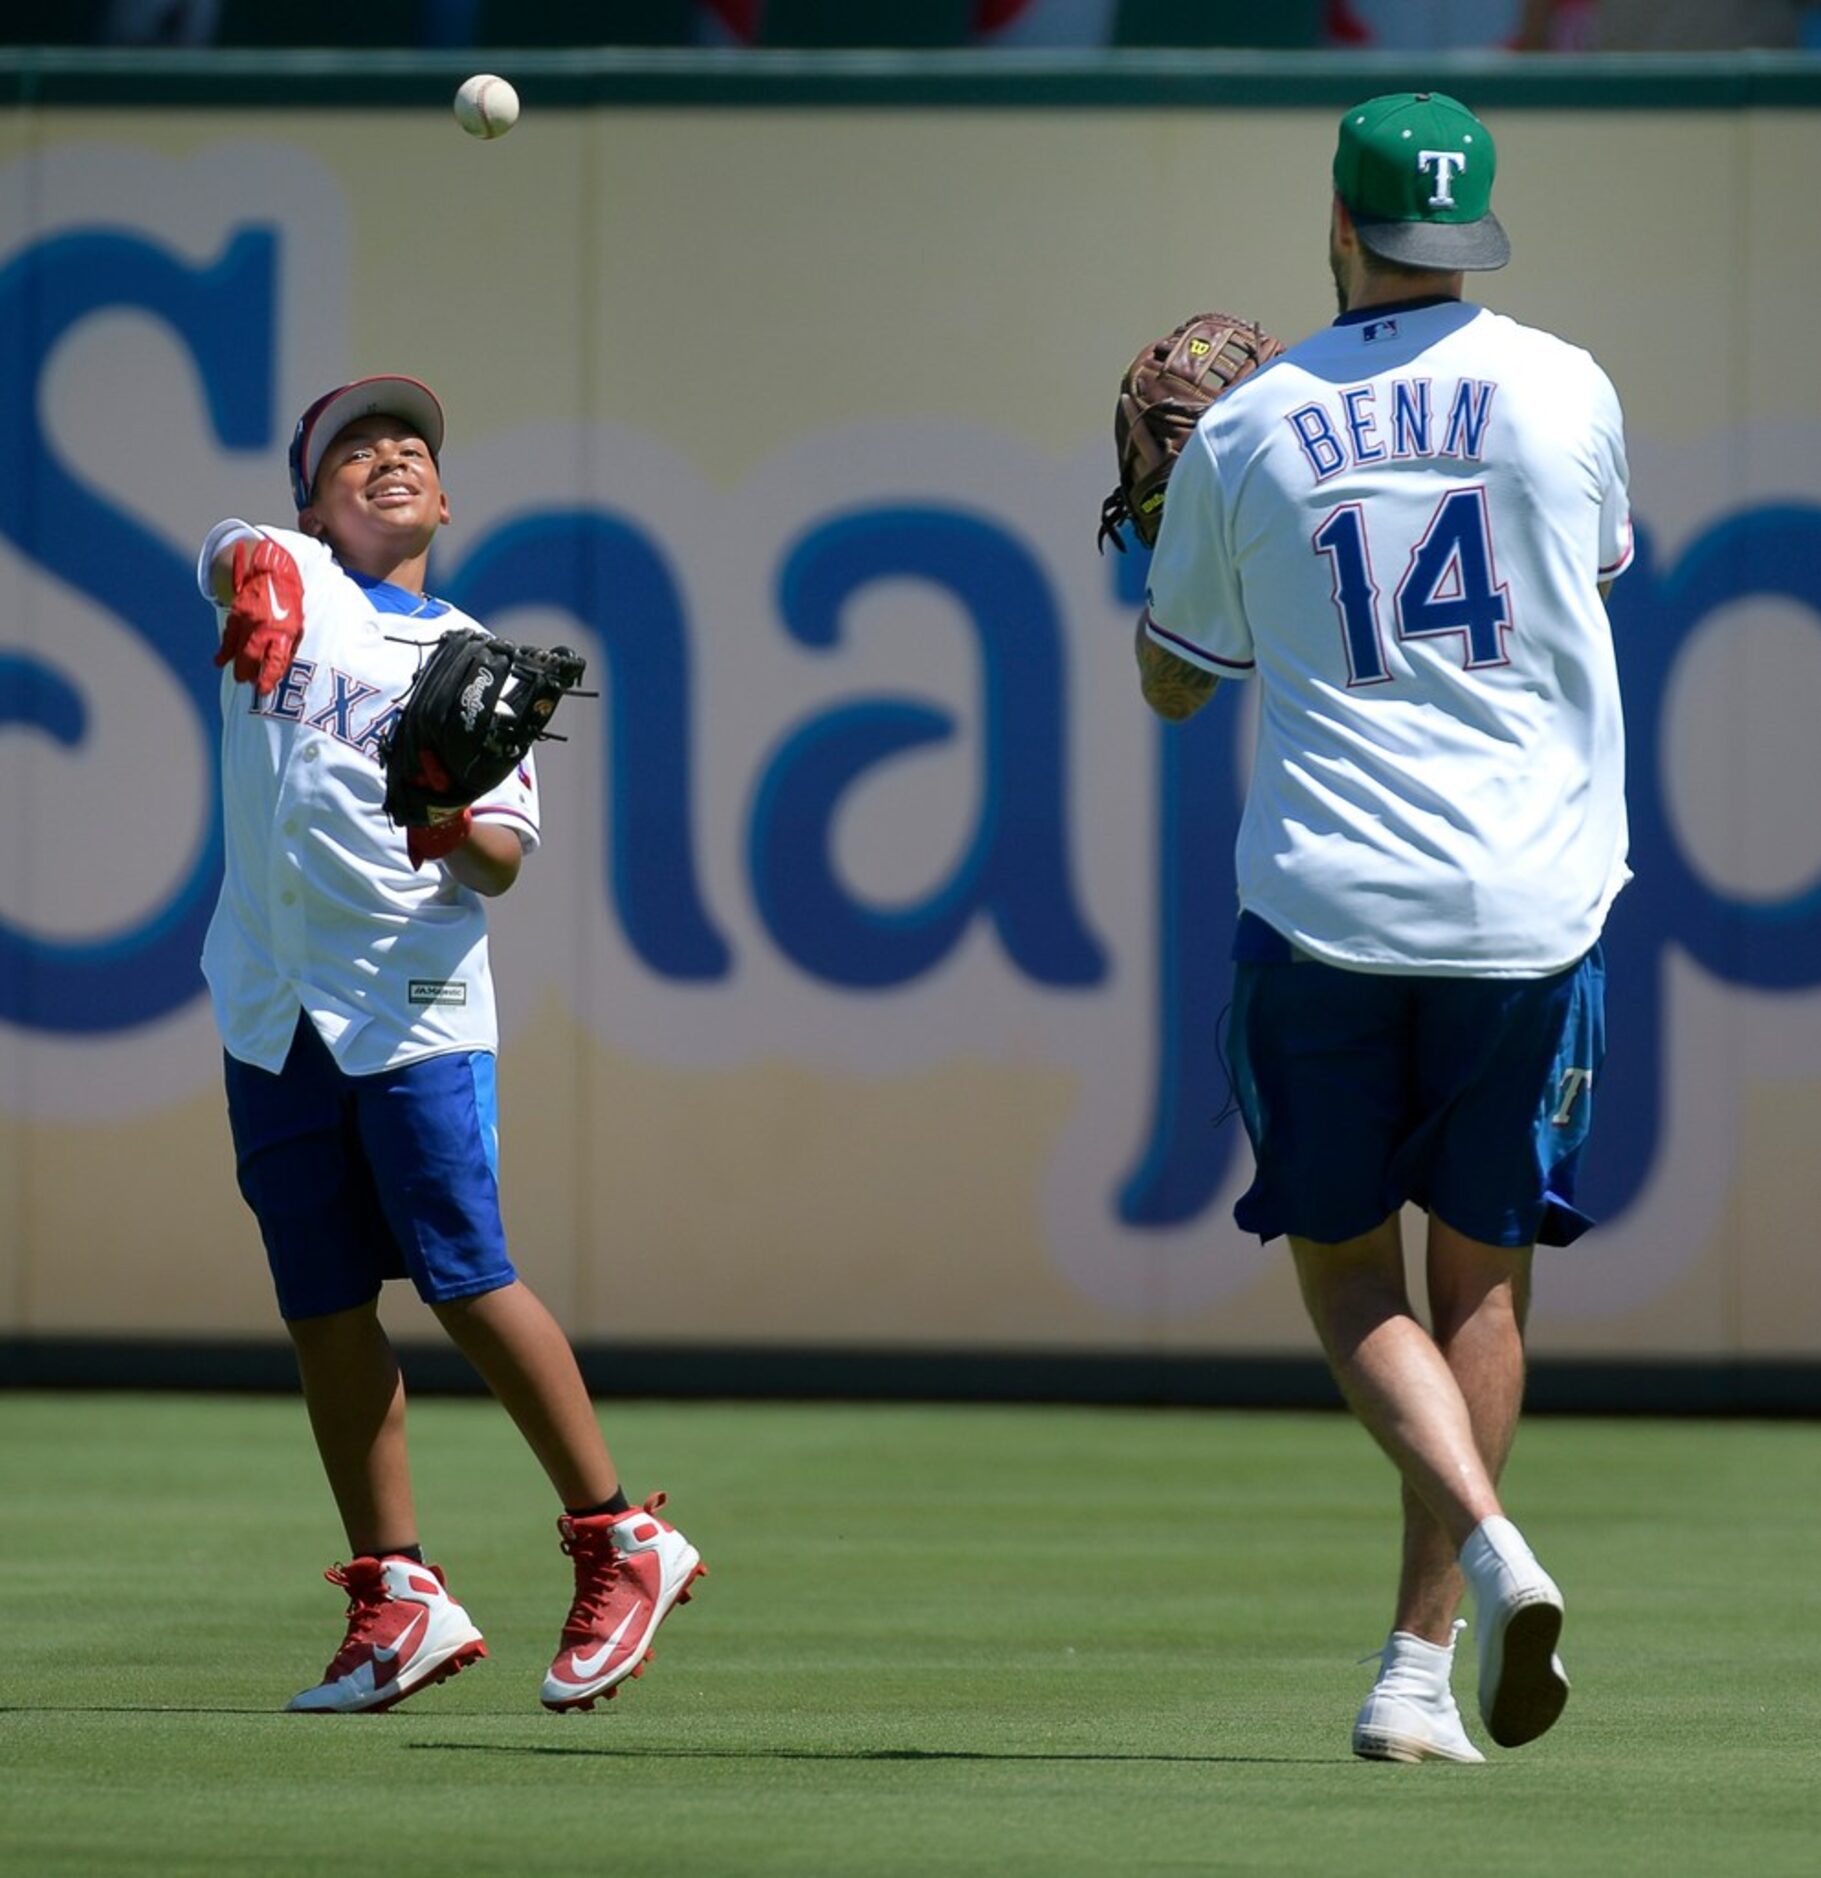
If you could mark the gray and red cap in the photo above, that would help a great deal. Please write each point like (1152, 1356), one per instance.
(408, 399)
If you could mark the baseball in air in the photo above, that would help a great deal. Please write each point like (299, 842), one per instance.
(486, 106)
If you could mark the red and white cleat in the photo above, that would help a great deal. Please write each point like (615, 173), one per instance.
(630, 1569)
(404, 1633)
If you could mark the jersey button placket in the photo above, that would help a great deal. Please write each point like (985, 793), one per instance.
(289, 920)
(288, 928)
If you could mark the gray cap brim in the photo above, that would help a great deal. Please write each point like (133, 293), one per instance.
(1448, 247)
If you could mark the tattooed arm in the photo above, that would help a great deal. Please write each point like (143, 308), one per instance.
(1172, 687)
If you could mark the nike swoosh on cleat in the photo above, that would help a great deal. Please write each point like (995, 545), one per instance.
(278, 612)
(593, 1664)
(385, 1656)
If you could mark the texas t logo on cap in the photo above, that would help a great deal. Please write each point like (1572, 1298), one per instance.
(1443, 163)
(1415, 170)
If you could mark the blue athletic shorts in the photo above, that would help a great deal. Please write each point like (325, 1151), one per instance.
(1469, 1096)
(357, 1179)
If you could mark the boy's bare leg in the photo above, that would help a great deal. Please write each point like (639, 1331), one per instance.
(356, 1400)
(1394, 1377)
(525, 1359)
(1479, 1296)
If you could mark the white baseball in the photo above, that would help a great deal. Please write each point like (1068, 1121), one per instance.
(486, 106)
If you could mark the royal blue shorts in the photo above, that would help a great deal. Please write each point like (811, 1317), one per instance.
(1470, 1097)
(357, 1179)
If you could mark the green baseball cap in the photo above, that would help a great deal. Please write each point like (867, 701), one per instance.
(1415, 170)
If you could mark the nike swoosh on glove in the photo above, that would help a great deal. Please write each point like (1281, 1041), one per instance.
(265, 617)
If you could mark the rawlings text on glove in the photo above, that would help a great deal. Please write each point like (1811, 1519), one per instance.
(474, 710)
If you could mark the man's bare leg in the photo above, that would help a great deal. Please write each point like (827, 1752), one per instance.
(1404, 1390)
(1394, 1377)
(1479, 1296)
(1401, 1387)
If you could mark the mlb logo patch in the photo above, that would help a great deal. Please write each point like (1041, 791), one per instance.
(1374, 330)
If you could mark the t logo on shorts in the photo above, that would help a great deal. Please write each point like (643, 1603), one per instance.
(1572, 1085)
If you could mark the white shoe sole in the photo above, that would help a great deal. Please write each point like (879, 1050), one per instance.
(430, 1666)
(1523, 1687)
(562, 1697)
(1381, 1744)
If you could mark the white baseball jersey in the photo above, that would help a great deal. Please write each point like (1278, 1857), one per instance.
(1401, 525)
(320, 908)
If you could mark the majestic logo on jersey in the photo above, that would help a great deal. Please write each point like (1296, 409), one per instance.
(1443, 166)
(437, 991)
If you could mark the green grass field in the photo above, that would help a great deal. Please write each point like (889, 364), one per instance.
(944, 1640)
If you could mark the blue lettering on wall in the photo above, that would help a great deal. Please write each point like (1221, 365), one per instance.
(32, 694)
(1188, 1149)
(223, 315)
(611, 577)
(1015, 870)
(1773, 946)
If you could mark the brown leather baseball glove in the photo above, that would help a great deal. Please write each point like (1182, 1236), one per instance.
(1165, 390)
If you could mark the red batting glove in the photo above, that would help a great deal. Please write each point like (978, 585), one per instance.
(265, 617)
(448, 829)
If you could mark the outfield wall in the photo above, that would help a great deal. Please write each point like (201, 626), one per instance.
(864, 994)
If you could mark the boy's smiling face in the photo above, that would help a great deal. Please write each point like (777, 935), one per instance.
(379, 496)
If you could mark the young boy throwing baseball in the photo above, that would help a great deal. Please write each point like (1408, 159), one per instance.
(347, 962)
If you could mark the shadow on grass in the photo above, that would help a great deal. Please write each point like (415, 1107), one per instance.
(862, 1754)
(135, 1708)
(635, 1753)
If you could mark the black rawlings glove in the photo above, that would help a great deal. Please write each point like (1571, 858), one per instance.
(476, 707)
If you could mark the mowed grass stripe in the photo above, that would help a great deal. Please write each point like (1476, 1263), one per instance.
(933, 1639)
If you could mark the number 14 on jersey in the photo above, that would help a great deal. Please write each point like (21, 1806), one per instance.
(1450, 586)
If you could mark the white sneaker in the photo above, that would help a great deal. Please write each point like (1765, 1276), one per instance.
(1409, 1715)
(1523, 1687)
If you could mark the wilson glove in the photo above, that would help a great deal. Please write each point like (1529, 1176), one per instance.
(1161, 398)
